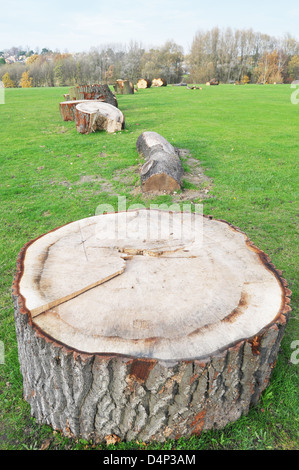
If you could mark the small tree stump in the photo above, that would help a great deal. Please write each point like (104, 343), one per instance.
(68, 108)
(163, 170)
(144, 83)
(94, 115)
(124, 87)
(157, 82)
(146, 324)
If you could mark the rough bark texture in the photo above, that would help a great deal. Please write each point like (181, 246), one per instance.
(163, 170)
(68, 109)
(144, 83)
(157, 82)
(94, 394)
(94, 115)
(93, 92)
(124, 87)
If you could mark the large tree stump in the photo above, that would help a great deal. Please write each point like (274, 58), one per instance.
(163, 169)
(93, 92)
(68, 108)
(94, 115)
(124, 87)
(146, 324)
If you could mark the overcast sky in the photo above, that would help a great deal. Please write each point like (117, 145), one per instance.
(75, 26)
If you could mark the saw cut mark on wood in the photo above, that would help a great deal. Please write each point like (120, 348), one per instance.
(81, 268)
(93, 115)
(162, 172)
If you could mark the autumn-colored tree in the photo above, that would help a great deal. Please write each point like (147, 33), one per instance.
(245, 79)
(32, 59)
(293, 67)
(7, 81)
(26, 81)
(269, 69)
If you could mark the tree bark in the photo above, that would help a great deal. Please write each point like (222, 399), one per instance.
(144, 83)
(162, 171)
(94, 115)
(128, 325)
(93, 92)
(124, 87)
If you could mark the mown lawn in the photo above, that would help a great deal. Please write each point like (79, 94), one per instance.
(246, 141)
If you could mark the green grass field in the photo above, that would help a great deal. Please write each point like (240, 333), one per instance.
(246, 141)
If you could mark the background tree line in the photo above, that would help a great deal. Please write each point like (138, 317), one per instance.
(243, 56)
(228, 55)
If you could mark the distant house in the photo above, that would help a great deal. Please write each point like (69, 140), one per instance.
(10, 60)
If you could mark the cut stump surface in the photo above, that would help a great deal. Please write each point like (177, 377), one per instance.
(163, 170)
(146, 324)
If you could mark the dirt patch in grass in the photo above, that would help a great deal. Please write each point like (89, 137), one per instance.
(196, 185)
(102, 184)
(128, 175)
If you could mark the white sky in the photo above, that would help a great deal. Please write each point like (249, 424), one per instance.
(77, 26)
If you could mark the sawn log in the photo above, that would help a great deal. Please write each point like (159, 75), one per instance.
(162, 171)
(158, 82)
(144, 83)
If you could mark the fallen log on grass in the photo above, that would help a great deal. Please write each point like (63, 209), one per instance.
(213, 82)
(147, 325)
(157, 82)
(163, 169)
(94, 115)
(144, 83)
